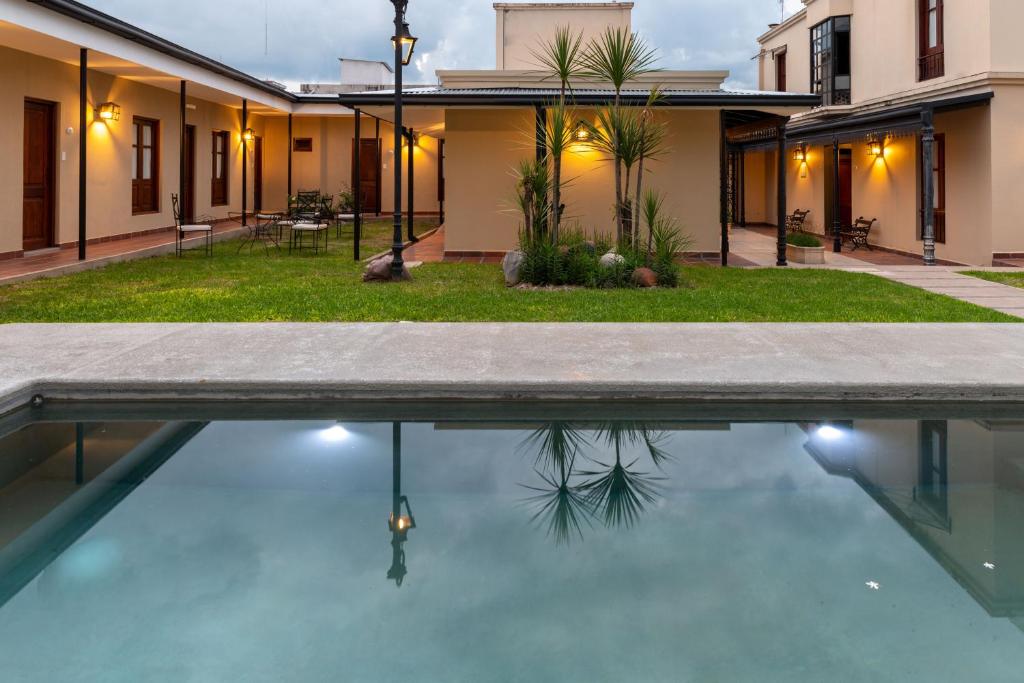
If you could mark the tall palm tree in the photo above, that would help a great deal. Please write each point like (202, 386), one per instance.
(618, 56)
(561, 57)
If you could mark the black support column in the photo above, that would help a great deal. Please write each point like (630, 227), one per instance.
(837, 239)
(928, 184)
(245, 161)
(723, 189)
(410, 219)
(182, 109)
(376, 136)
(83, 137)
(357, 176)
(783, 211)
(291, 146)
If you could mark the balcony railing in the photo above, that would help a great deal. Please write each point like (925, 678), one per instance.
(931, 66)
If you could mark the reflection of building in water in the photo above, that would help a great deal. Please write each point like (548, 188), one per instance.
(956, 486)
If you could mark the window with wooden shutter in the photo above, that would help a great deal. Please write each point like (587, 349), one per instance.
(145, 166)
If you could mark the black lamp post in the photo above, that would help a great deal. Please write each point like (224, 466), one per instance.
(404, 44)
(399, 521)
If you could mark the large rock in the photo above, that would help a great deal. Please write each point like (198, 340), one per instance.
(611, 259)
(379, 270)
(645, 277)
(512, 264)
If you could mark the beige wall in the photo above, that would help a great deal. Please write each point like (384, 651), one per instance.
(522, 28)
(109, 148)
(1007, 169)
(795, 39)
(327, 168)
(888, 189)
(980, 36)
(484, 147)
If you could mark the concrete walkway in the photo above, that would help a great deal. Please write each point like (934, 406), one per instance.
(574, 362)
(946, 280)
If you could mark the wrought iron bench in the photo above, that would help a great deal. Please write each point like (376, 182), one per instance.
(858, 233)
(795, 222)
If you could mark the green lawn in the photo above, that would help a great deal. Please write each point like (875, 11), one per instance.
(237, 288)
(1012, 279)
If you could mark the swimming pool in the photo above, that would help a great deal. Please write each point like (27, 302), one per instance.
(512, 542)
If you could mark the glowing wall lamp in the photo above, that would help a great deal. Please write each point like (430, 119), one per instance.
(109, 111)
(876, 149)
(582, 133)
(408, 42)
(800, 156)
(248, 135)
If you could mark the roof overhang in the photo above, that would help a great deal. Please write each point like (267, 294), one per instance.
(538, 98)
(58, 28)
(853, 126)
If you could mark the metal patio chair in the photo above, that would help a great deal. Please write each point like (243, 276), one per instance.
(182, 230)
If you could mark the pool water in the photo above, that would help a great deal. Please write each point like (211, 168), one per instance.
(525, 548)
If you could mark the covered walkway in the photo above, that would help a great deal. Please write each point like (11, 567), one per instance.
(54, 262)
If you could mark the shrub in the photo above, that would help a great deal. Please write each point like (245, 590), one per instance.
(801, 239)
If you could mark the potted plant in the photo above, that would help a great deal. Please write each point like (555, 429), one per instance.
(804, 248)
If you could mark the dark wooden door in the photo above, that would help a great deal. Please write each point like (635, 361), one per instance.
(39, 176)
(846, 187)
(369, 173)
(257, 176)
(189, 200)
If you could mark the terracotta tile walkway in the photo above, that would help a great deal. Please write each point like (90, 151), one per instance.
(54, 262)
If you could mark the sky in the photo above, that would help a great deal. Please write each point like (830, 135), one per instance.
(295, 41)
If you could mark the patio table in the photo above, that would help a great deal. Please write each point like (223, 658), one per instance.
(265, 227)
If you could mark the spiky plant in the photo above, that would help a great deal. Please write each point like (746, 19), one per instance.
(555, 446)
(561, 58)
(618, 56)
(532, 184)
(564, 508)
(652, 145)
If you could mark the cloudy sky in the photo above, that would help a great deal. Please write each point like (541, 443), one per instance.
(306, 36)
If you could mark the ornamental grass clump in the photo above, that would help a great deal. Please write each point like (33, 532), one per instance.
(802, 239)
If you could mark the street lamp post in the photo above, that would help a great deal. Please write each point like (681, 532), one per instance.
(404, 44)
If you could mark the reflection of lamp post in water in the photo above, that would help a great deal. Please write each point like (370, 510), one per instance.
(398, 523)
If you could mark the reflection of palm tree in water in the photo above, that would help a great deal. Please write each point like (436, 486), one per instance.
(615, 493)
(563, 506)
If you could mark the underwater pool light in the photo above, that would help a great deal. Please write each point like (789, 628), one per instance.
(829, 433)
(334, 434)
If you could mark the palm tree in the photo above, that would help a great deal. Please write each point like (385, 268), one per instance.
(564, 506)
(618, 493)
(618, 56)
(652, 136)
(561, 57)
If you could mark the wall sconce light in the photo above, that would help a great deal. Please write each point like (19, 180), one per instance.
(582, 133)
(800, 154)
(876, 149)
(109, 111)
(248, 135)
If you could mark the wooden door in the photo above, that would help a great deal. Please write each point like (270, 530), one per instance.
(369, 173)
(846, 187)
(257, 176)
(188, 205)
(38, 208)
